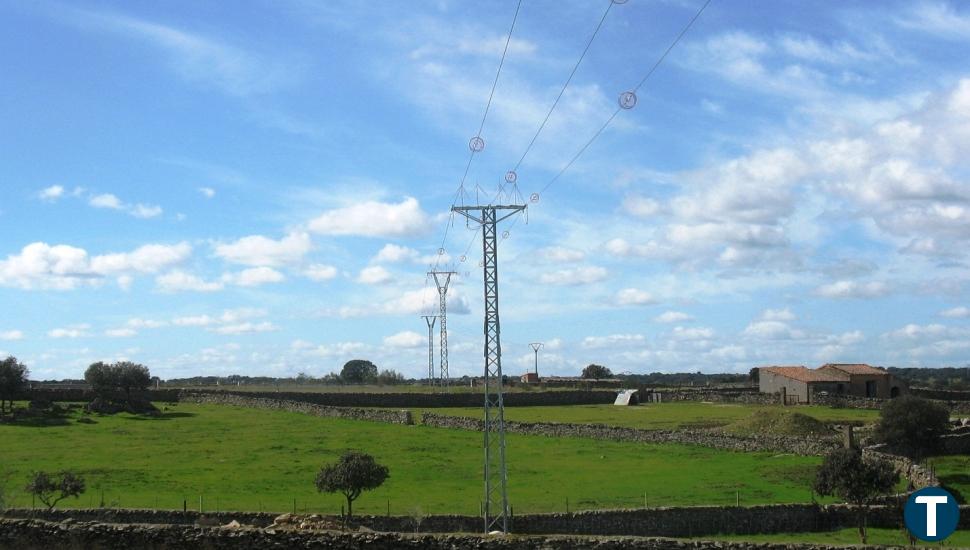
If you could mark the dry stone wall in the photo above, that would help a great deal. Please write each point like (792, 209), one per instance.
(717, 440)
(429, 400)
(39, 535)
(918, 475)
(375, 415)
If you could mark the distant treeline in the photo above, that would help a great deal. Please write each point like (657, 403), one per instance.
(685, 379)
(946, 378)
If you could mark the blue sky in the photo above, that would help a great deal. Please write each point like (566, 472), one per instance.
(260, 190)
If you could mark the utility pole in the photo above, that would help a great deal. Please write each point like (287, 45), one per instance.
(430, 320)
(442, 284)
(535, 348)
(496, 478)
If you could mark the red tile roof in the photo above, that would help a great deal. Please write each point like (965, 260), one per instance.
(803, 374)
(854, 368)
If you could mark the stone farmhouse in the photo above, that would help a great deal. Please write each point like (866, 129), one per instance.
(799, 384)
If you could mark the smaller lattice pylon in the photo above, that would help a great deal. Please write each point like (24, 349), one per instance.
(430, 320)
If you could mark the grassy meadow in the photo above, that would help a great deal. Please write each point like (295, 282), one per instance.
(887, 537)
(245, 459)
(658, 416)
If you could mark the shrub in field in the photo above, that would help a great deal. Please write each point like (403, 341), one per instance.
(912, 425)
(52, 489)
(352, 474)
(358, 371)
(596, 371)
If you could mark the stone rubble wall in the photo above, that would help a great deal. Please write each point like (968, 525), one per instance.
(717, 440)
(374, 415)
(906, 467)
(716, 395)
(429, 400)
(39, 535)
(941, 395)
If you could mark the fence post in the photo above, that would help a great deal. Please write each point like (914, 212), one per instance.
(200, 504)
(567, 505)
(185, 505)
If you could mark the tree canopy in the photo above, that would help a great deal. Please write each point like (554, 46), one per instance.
(13, 381)
(352, 474)
(912, 425)
(846, 474)
(596, 371)
(358, 371)
(124, 376)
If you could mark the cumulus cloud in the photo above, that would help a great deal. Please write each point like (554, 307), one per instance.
(254, 276)
(244, 328)
(777, 315)
(373, 275)
(672, 317)
(51, 193)
(207, 192)
(10, 335)
(373, 219)
(560, 254)
(958, 312)
(124, 332)
(634, 297)
(257, 250)
(320, 272)
(392, 253)
(578, 276)
(853, 289)
(692, 333)
(64, 267)
(106, 200)
(405, 339)
(180, 281)
(73, 331)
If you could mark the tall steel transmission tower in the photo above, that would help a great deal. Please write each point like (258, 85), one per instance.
(430, 319)
(496, 478)
(535, 348)
(442, 284)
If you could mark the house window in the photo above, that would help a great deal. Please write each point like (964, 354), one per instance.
(870, 388)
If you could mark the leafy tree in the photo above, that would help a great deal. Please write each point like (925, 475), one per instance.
(132, 376)
(596, 371)
(352, 474)
(846, 474)
(358, 371)
(912, 425)
(13, 381)
(52, 489)
(100, 377)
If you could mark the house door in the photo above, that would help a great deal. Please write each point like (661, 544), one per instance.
(870, 388)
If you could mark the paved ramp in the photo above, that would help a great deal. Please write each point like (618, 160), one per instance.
(625, 396)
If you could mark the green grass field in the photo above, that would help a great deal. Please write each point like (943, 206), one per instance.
(245, 459)
(888, 537)
(657, 416)
(954, 472)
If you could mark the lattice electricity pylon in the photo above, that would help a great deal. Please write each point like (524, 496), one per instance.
(496, 477)
(430, 320)
(443, 317)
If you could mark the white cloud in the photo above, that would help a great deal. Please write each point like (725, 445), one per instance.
(373, 275)
(179, 281)
(692, 333)
(672, 317)
(121, 332)
(194, 321)
(149, 258)
(958, 312)
(374, 219)
(244, 328)
(112, 202)
(392, 253)
(777, 315)
(634, 297)
(594, 342)
(643, 207)
(74, 331)
(52, 193)
(578, 276)
(254, 276)
(406, 339)
(772, 330)
(207, 192)
(320, 272)
(853, 289)
(106, 200)
(10, 335)
(257, 250)
(138, 322)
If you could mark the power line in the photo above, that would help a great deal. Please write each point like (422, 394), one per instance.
(564, 86)
(626, 98)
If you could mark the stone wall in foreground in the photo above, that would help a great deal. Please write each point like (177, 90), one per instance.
(374, 415)
(39, 535)
(430, 400)
(717, 440)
